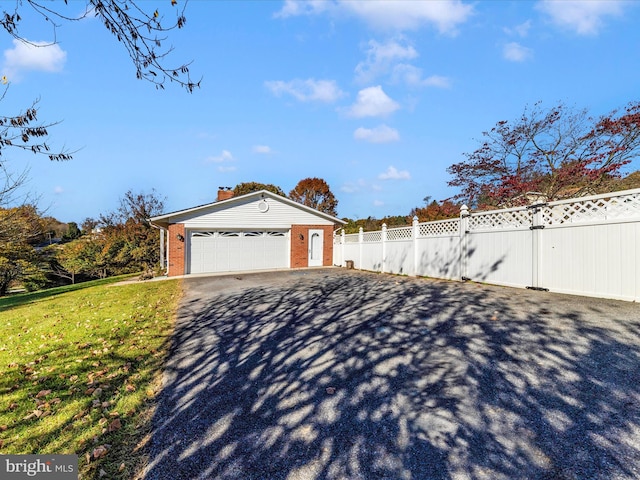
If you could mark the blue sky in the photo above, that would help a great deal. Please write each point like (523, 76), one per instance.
(376, 97)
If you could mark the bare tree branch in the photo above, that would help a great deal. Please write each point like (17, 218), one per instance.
(142, 34)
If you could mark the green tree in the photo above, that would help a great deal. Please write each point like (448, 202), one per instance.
(72, 233)
(20, 228)
(70, 260)
(250, 187)
(130, 242)
(315, 193)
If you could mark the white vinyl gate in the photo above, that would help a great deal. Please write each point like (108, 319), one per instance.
(234, 250)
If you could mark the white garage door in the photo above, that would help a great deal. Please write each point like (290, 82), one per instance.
(228, 251)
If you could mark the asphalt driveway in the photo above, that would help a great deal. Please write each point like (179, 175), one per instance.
(339, 374)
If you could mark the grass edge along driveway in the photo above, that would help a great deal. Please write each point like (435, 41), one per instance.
(80, 369)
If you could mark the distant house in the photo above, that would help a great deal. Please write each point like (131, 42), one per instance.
(257, 231)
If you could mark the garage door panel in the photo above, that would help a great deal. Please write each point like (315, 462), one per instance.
(228, 251)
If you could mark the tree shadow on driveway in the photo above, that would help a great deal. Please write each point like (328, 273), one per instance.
(335, 374)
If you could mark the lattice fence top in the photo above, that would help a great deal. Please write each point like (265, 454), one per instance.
(402, 233)
(439, 229)
(372, 237)
(592, 209)
(500, 219)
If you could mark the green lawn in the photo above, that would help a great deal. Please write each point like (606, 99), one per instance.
(79, 371)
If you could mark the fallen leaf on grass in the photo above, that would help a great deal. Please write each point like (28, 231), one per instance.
(32, 415)
(129, 388)
(115, 425)
(3, 428)
(79, 415)
(331, 390)
(121, 467)
(99, 452)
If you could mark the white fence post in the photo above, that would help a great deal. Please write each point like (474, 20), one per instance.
(414, 237)
(536, 245)
(384, 247)
(464, 230)
(342, 242)
(360, 241)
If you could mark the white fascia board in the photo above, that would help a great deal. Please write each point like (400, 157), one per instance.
(166, 218)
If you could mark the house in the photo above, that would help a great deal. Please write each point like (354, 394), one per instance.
(256, 231)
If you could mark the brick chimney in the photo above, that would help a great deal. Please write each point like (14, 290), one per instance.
(224, 193)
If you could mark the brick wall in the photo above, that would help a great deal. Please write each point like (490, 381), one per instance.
(300, 246)
(176, 250)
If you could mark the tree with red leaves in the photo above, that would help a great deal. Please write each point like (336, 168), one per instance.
(434, 210)
(315, 193)
(557, 153)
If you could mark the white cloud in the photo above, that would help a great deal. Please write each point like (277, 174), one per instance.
(445, 15)
(585, 17)
(390, 59)
(58, 190)
(225, 156)
(412, 76)
(381, 57)
(226, 168)
(514, 52)
(379, 134)
(378, 203)
(293, 8)
(262, 149)
(521, 30)
(353, 187)
(349, 188)
(393, 173)
(372, 102)
(309, 90)
(32, 56)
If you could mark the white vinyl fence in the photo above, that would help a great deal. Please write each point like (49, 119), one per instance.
(584, 246)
